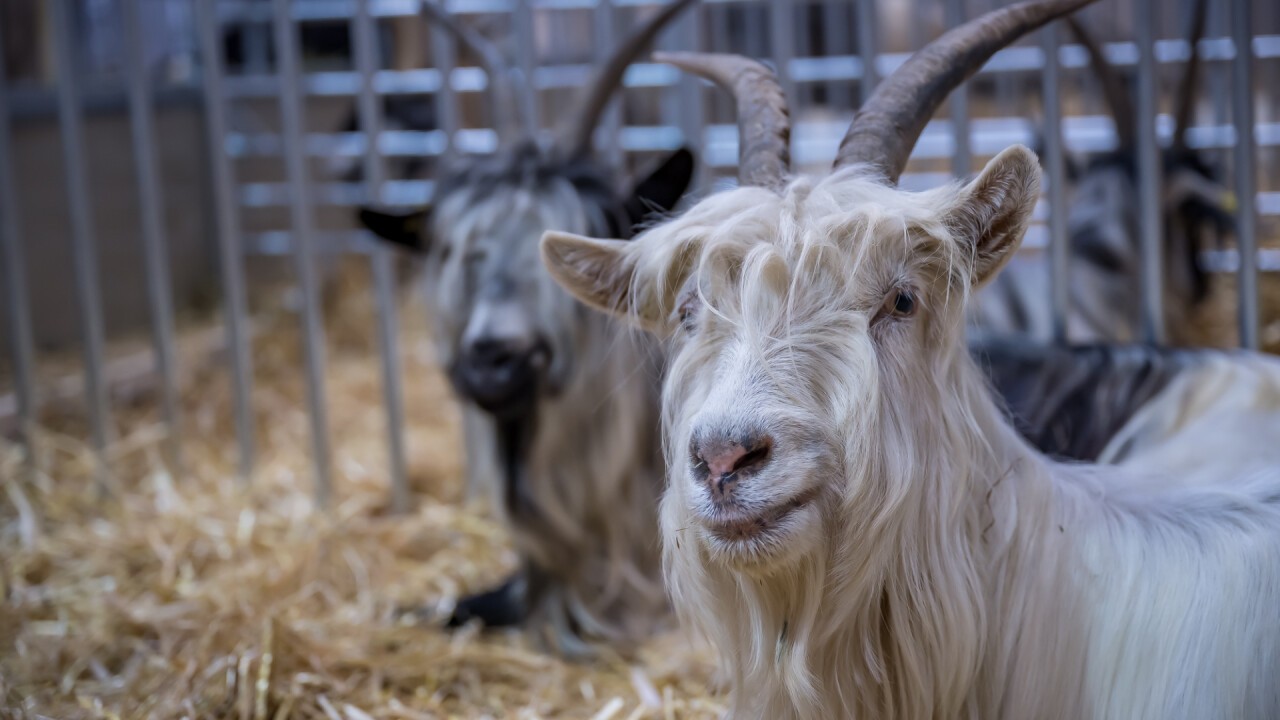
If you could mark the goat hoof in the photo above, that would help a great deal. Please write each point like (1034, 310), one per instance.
(500, 607)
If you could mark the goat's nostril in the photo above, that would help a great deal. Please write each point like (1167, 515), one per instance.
(754, 457)
(718, 459)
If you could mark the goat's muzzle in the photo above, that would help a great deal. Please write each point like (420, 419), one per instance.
(720, 462)
(502, 375)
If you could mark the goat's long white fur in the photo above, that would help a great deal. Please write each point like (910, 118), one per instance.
(947, 569)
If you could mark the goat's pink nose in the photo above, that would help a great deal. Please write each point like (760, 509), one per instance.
(719, 461)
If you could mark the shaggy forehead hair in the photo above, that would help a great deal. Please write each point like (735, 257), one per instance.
(816, 236)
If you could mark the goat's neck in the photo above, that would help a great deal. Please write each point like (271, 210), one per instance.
(908, 613)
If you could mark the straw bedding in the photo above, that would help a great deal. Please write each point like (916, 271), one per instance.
(197, 596)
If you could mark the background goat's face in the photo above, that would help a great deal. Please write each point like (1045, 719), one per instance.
(1104, 227)
(813, 337)
(505, 331)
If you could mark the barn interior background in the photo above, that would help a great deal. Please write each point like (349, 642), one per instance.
(228, 459)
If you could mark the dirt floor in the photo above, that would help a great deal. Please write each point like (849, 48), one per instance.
(163, 596)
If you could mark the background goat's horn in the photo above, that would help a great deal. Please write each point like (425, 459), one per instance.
(1185, 100)
(764, 125)
(1113, 88)
(583, 120)
(887, 127)
(507, 112)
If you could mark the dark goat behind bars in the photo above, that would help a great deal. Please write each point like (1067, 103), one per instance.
(560, 408)
(1102, 224)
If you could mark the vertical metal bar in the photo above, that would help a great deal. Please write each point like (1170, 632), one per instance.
(782, 37)
(835, 23)
(153, 239)
(961, 155)
(292, 135)
(381, 261)
(1245, 169)
(692, 114)
(757, 40)
(228, 219)
(1219, 77)
(1059, 248)
(442, 56)
(14, 267)
(527, 54)
(867, 47)
(602, 19)
(1149, 225)
(83, 241)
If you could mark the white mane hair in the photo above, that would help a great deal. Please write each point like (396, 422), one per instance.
(902, 552)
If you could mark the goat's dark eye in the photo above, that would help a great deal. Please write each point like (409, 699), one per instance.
(898, 304)
(903, 304)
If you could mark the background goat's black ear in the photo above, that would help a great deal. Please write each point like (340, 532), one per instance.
(662, 188)
(403, 229)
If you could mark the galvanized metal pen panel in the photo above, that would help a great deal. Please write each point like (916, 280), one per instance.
(83, 242)
(13, 264)
(866, 16)
(381, 260)
(1150, 222)
(150, 205)
(1245, 171)
(291, 127)
(961, 155)
(1059, 243)
(225, 198)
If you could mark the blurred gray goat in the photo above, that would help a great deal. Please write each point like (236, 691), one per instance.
(560, 407)
(1102, 224)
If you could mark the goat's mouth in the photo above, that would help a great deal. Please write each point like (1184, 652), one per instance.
(754, 529)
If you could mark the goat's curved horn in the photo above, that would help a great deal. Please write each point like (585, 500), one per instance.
(581, 125)
(1185, 99)
(764, 125)
(888, 125)
(1113, 89)
(507, 111)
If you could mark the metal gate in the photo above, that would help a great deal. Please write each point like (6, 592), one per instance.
(259, 69)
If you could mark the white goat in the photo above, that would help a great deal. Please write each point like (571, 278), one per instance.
(849, 518)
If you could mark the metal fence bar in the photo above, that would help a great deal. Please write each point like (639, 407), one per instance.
(962, 155)
(13, 264)
(1059, 243)
(526, 53)
(291, 124)
(1245, 172)
(866, 16)
(1148, 166)
(83, 242)
(443, 57)
(782, 39)
(225, 199)
(382, 263)
(602, 23)
(692, 116)
(834, 31)
(150, 203)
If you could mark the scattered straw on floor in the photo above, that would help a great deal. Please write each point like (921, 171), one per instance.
(200, 597)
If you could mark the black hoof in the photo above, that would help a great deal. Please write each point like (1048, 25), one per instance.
(503, 606)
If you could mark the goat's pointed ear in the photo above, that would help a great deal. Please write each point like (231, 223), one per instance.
(994, 210)
(403, 229)
(661, 189)
(600, 273)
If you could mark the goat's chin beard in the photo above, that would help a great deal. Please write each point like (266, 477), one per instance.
(789, 535)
